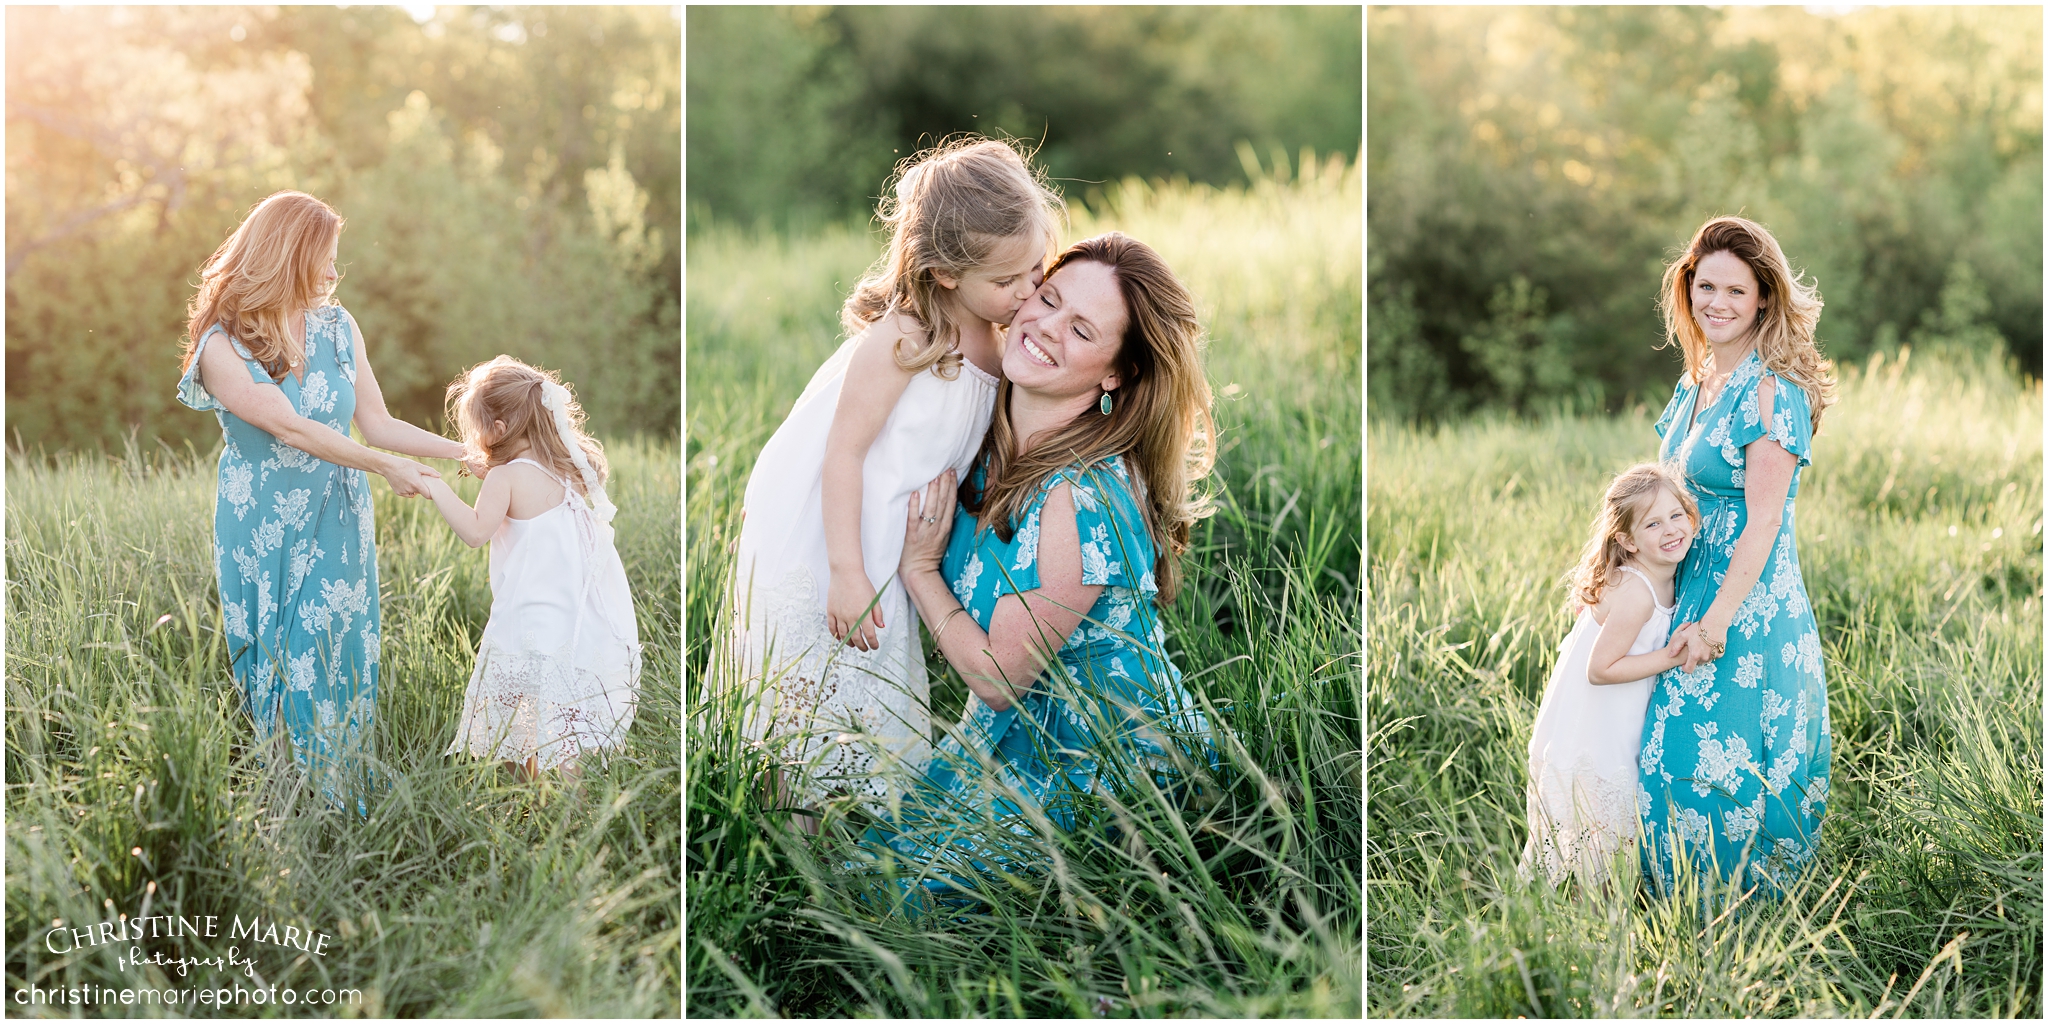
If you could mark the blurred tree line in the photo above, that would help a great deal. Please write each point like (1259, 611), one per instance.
(1531, 171)
(797, 114)
(510, 179)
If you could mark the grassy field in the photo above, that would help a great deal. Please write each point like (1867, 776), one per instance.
(131, 784)
(1247, 905)
(1920, 537)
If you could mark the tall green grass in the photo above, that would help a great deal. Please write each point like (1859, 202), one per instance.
(1920, 536)
(131, 782)
(1243, 902)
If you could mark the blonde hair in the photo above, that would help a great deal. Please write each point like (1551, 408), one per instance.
(1623, 506)
(1787, 314)
(1159, 420)
(954, 207)
(269, 269)
(508, 391)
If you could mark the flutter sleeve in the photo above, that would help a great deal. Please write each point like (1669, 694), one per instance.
(1671, 409)
(1116, 550)
(191, 388)
(1791, 422)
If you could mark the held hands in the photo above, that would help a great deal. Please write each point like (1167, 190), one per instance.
(1696, 643)
(851, 608)
(410, 479)
(930, 525)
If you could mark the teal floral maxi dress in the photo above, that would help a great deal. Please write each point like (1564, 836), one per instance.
(295, 551)
(1734, 763)
(1002, 776)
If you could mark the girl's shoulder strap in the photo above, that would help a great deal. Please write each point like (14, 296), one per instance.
(549, 472)
(1645, 577)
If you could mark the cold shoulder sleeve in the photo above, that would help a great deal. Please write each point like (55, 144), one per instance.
(1791, 422)
(1116, 549)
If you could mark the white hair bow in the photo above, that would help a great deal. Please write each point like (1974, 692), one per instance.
(556, 399)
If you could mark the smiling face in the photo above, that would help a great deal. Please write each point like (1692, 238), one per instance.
(1065, 341)
(995, 291)
(1662, 533)
(1725, 303)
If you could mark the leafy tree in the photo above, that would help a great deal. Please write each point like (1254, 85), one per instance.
(1530, 172)
(797, 114)
(138, 138)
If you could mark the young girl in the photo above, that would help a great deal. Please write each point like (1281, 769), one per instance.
(831, 667)
(558, 672)
(1582, 754)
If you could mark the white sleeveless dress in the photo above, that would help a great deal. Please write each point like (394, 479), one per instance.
(558, 672)
(838, 718)
(1582, 755)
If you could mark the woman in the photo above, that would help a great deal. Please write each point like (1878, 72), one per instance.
(1734, 756)
(286, 371)
(1043, 587)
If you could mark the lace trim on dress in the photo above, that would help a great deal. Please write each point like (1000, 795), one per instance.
(1578, 821)
(525, 704)
(833, 709)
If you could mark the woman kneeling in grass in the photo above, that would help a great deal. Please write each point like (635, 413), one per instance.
(1064, 544)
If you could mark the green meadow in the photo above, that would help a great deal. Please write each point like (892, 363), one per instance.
(133, 791)
(1244, 902)
(1920, 535)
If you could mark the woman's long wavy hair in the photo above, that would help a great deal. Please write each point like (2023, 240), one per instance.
(271, 268)
(1788, 310)
(954, 208)
(508, 391)
(1160, 422)
(1628, 496)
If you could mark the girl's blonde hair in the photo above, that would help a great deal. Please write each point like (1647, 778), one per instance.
(1627, 497)
(955, 206)
(508, 391)
(269, 269)
(1159, 420)
(1788, 310)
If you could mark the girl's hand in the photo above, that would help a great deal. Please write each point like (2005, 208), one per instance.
(409, 479)
(848, 611)
(1674, 650)
(930, 526)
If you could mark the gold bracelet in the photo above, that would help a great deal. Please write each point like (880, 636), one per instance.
(943, 623)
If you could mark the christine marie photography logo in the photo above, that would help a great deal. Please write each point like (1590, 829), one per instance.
(177, 945)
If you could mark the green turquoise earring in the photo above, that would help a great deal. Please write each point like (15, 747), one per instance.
(1105, 406)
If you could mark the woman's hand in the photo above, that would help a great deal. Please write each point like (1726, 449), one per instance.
(1704, 643)
(477, 467)
(929, 527)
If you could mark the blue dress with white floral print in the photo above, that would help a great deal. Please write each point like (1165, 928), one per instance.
(1735, 753)
(295, 552)
(1112, 686)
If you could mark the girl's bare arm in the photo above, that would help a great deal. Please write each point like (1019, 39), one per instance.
(1629, 607)
(475, 525)
(866, 398)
